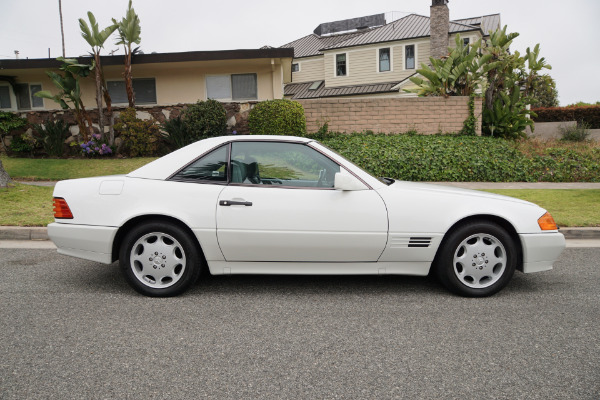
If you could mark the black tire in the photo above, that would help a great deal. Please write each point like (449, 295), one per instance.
(477, 259)
(159, 259)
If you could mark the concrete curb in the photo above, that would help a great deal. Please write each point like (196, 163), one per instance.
(41, 233)
(23, 233)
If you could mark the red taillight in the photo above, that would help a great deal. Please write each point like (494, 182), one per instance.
(61, 209)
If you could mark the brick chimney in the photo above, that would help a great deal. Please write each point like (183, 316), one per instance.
(439, 25)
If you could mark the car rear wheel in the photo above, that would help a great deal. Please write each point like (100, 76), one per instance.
(477, 259)
(159, 259)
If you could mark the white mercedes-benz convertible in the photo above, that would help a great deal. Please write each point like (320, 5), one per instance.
(289, 205)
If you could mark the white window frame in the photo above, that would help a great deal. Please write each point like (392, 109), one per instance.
(230, 98)
(138, 77)
(11, 96)
(378, 50)
(299, 66)
(347, 53)
(404, 57)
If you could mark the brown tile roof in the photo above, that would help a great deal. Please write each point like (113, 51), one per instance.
(409, 27)
(301, 90)
(487, 23)
(311, 44)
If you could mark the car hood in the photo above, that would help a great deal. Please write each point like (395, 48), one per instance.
(448, 190)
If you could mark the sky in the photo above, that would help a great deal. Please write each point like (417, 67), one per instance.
(567, 31)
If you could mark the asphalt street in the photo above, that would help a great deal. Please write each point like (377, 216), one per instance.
(73, 329)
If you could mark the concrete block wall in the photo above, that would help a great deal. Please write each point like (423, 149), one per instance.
(427, 115)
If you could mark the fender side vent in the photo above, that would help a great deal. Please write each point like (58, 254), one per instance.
(419, 242)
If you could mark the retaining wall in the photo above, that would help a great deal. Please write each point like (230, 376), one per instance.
(427, 115)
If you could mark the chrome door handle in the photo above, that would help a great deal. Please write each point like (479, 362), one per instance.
(228, 203)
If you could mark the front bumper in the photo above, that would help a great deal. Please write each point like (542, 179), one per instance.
(541, 250)
(83, 241)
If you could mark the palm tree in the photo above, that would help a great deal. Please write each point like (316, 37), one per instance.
(96, 39)
(62, 31)
(69, 91)
(129, 33)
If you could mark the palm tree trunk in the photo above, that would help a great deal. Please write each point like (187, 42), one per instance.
(99, 95)
(129, 78)
(62, 32)
(88, 119)
(111, 118)
(81, 124)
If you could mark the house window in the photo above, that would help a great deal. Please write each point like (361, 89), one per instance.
(244, 87)
(144, 89)
(384, 60)
(5, 97)
(340, 65)
(295, 67)
(466, 42)
(24, 93)
(232, 87)
(409, 57)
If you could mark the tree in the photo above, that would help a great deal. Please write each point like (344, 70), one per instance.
(96, 39)
(69, 92)
(62, 31)
(509, 79)
(4, 177)
(458, 74)
(129, 33)
(544, 92)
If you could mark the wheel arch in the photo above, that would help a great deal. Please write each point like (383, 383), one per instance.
(506, 225)
(127, 226)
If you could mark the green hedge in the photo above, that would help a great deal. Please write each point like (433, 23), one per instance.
(277, 117)
(588, 114)
(463, 159)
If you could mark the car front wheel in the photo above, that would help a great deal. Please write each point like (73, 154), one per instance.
(159, 259)
(478, 259)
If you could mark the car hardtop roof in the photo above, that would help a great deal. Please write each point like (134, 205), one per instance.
(165, 166)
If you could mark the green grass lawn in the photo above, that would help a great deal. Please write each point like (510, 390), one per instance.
(569, 207)
(25, 205)
(44, 169)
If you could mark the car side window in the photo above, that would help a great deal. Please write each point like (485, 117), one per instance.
(211, 167)
(286, 164)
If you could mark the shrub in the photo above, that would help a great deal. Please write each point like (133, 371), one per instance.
(52, 136)
(95, 147)
(277, 117)
(205, 119)
(175, 133)
(574, 133)
(587, 114)
(139, 136)
(468, 158)
(8, 123)
(24, 144)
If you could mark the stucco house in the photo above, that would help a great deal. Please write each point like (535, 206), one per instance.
(367, 57)
(159, 79)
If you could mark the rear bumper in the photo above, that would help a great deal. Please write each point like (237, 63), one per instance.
(541, 250)
(83, 241)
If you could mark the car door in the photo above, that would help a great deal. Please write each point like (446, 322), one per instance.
(280, 205)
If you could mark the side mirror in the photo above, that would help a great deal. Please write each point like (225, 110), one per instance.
(345, 181)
